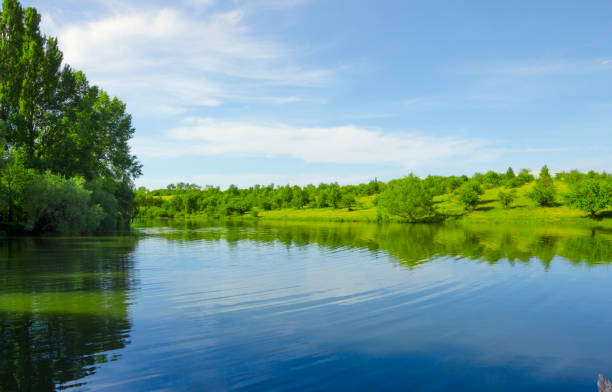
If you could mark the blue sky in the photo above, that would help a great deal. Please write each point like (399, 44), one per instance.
(300, 91)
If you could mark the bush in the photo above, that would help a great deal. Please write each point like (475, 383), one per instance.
(348, 200)
(469, 194)
(506, 198)
(492, 179)
(157, 212)
(544, 191)
(107, 201)
(524, 177)
(53, 203)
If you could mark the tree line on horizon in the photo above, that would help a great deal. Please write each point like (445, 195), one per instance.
(65, 163)
(410, 198)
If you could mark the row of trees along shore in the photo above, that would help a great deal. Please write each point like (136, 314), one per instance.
(410, 198)
(65, 163)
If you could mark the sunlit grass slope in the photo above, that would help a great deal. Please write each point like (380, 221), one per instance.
(364, 211)
(489, 210)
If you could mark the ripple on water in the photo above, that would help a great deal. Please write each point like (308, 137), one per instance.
(316, 308)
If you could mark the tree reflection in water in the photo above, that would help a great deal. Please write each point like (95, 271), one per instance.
(63, 308)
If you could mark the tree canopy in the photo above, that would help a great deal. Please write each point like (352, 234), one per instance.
(55, 120)
(469, 194)
(544, 191)
(407, 197)
(590, 196)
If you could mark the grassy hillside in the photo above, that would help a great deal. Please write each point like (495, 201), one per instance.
(489, 210)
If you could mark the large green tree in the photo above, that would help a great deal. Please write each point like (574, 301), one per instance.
(408, 198)
(56, 121)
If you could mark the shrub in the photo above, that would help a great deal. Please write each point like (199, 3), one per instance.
(524, 177)
(544, 191)
(348, 200)
(506, 198)
(590, 196)
(53, 203)
(469, 194)
(108, 202)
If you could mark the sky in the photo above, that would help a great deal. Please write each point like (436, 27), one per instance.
(309, 91)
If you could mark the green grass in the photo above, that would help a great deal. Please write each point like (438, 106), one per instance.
(490, 210)
(364, 211)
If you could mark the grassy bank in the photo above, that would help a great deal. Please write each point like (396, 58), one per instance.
(489, 210)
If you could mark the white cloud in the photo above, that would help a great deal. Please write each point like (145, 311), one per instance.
(347, 144)
(168, 58)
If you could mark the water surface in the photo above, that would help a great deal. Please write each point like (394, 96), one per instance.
(308, 307)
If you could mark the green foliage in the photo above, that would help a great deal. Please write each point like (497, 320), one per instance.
(334, 196)
(57, 204)
(348, 200)
(3, 133)
(439, 185)
(544, 191)
(492, 179)
(506, 198)
(408, 198)
(590, 196)
(543, 194)
(571, 178)
(545, 175)
(469, 194)
(52, 120)
(524, 177)
(373, 187)
(106, 200)
(14, 179)
(189, 200)
(299, 197)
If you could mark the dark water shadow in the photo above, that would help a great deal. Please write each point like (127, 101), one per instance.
(63, 308)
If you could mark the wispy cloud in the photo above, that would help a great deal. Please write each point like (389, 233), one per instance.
(347, 144)
(165, 57)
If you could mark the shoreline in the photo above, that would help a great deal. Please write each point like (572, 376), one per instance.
(343, 216)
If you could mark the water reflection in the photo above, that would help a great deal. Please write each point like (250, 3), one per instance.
(63, 309)
(277, 306)
(328, 306)
(411, 245)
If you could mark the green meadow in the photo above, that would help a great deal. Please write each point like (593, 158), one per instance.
(475, 200)
(489, 210)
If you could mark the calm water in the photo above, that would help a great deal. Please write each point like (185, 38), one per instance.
(308, 307)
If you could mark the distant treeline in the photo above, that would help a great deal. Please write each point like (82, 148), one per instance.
(410, 198)
(65, 163)
(186, 199)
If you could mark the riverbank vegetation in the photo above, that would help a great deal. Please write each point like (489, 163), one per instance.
(65, 163)
(490, 197)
